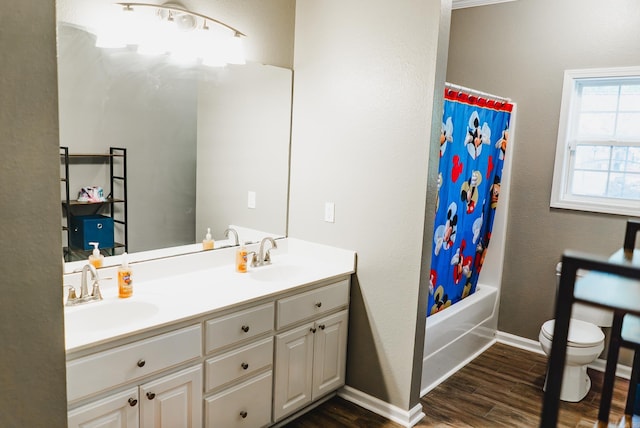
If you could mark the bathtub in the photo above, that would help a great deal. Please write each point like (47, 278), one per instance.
(457, 335)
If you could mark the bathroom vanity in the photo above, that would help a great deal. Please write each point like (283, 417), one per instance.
(201, 345)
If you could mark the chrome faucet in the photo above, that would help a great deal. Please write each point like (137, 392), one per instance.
(84, 296)
(264, 258)
(235, 234)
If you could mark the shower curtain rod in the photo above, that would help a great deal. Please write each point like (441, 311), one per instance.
(475, 92)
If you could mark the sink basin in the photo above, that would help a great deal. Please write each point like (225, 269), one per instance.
(277, 272)
(107, 315)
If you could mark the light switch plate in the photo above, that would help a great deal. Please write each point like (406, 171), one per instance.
(251, 199)
(330, 212)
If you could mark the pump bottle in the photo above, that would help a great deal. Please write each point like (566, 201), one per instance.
(207, 242)
(125, 280)
(96, 259)
(241, 259)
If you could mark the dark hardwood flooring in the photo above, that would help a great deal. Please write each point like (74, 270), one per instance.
(500, 388)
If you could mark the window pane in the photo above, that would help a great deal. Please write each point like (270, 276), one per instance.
(631, 186)
(633, 160)
(628, 125)
(592, 157)
(616, 185)
(589, 183)
(619, 159)
(599, 98)
(596, 124)
(630, 98)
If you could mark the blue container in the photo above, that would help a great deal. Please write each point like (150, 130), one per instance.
(91, 228)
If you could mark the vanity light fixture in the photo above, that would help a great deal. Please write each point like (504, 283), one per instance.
(172, 29)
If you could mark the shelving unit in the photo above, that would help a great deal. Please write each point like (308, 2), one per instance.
(114, 206)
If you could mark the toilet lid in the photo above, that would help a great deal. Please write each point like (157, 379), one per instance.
(581, 333)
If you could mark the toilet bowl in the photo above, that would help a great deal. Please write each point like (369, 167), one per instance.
(585, 342)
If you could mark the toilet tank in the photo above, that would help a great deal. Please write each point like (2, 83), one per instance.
(598, 316)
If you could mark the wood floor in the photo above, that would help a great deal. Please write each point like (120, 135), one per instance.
(500, 388)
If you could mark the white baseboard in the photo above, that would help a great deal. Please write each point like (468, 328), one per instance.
(403, 417)
(530, 345)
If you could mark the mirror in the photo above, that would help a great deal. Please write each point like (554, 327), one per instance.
(200, 141)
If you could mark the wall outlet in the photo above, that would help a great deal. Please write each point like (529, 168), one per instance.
(330, 212)
(251, 199)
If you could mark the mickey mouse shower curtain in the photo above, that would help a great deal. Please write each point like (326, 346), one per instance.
(475, 134)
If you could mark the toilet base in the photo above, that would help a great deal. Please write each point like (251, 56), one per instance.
(575, 383)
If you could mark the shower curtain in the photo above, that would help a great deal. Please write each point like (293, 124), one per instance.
(475, 134)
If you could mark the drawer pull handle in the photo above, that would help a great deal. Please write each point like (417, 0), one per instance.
(319, 304)
(321, 326)
(245, 328)
(133, 402)
(141, 363)
(312, 330)
(151, 395)
(244, 366)
(243, 414)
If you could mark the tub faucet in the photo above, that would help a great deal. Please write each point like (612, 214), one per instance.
(84, 289)
(235, 235)
(264, 258)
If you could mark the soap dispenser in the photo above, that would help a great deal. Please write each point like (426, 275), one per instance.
(96, 259)
(241, 259)
(207, 242)
(125, 280)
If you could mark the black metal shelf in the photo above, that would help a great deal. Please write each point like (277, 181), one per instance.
(117, 160)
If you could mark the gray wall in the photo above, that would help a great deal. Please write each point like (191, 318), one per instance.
(365, 76)
(32, 372)
(520, 50)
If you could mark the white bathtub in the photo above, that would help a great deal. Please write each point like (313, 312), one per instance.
(457, 335)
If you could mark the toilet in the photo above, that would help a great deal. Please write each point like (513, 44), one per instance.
(584, 344)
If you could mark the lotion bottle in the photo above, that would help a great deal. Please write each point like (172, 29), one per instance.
(207, 242)
(241, 259)
(96, 259)
(125, 280)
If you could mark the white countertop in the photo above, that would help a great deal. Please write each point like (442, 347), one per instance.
(176, 289)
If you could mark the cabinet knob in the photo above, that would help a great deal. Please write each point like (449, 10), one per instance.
(245, 328)
(133, 402)
(319, 304)
(243, 414)
(141, 363)
(151, 395)
(244, 366)
(321, 326)
(312, 330)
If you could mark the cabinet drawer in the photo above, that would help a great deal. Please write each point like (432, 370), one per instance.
(238, 326)
(238, 363)
(97, 372)
(245, 405)
(312, 303)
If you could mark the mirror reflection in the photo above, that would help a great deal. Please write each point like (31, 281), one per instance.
(206, 147)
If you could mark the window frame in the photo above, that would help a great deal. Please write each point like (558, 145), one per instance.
(562, 171)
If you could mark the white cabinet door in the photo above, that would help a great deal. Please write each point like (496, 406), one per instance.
(293, 370)
(330, 353)
(116, 411)
(173, 401)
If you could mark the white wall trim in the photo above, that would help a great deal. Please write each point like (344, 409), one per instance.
(403, 417)
(530, 345)
(461, 4)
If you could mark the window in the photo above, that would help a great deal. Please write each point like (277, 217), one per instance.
(597, 166)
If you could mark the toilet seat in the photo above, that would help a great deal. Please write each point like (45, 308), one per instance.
(581, 333)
